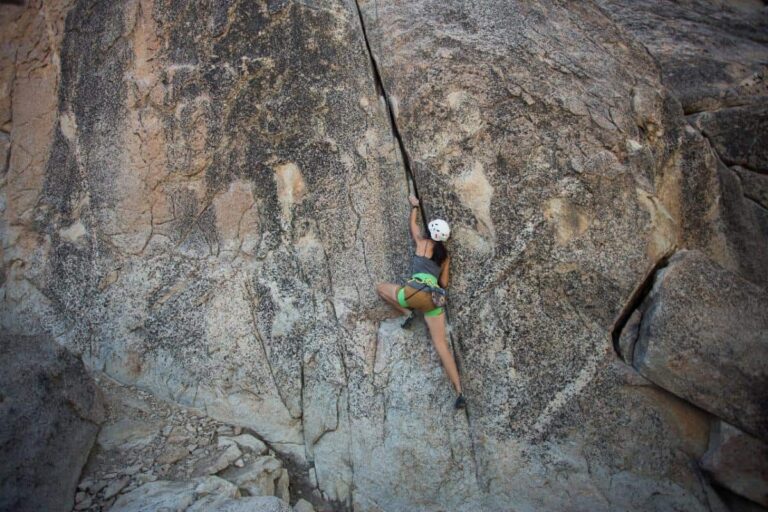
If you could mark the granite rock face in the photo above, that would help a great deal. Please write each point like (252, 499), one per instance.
(219, 193)
(711, 53)
(207, 193)
(712, 58)
(50, 410)
(739, 135)
(551, 162)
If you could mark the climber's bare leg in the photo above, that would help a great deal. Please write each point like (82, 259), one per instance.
(388, 292)
(436, 326)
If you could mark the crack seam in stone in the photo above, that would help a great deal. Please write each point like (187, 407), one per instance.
(410, 180)
(637, 297)
(409, 175)
(253, 305)
(756, 202)
(746, 101)
(12, 82)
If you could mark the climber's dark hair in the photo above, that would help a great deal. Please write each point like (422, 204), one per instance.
(439, 253)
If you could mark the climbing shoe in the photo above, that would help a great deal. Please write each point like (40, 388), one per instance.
(407, 322)
(461, 402)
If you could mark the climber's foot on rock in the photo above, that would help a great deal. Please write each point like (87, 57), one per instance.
(461, 402)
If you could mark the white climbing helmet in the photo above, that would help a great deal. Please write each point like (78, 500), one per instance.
(439, 230)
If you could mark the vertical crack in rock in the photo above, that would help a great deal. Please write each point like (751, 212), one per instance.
(411, 184)
(636, 298)
(6, 164)
(253, 305)
(409, 175)
(473, 448)
(303, 384)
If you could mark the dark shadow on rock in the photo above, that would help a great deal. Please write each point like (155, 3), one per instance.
(50, 410)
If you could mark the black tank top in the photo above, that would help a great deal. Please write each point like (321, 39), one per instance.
(424, 265)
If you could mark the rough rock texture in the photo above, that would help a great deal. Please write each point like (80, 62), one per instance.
(712, 53)
(550, 162)
(200, 230)
(712, 57)
(303, 506)
(204, 197)
(704, 337)
(50, 410)
(208, 494)
(144, 440)
(257, 478)
(739, 462)
(739, 135)
(755, 186)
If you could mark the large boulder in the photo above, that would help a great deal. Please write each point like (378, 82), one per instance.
(703, 335)
(50, 410)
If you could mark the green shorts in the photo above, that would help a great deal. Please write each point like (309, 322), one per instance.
(421, 300)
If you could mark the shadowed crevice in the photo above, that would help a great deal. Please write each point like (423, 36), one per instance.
(409, 175)
(635, 299)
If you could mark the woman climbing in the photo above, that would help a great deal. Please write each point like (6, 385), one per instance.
(429, 275)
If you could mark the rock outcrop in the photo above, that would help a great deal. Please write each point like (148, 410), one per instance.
(711, 53)
(738, 135)
(50, 410)
(712, 57)
(703, 335)
(553, 163)
(205, 195)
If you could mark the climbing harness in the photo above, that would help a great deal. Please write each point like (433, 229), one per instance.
(424, 282)
(439, 295)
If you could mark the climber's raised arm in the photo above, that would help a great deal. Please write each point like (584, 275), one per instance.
(414, 220)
